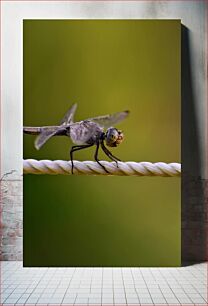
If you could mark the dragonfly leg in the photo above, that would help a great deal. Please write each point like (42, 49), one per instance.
(77, 148)
(96, 157)
(109, 154)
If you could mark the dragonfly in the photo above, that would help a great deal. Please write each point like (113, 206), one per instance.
(90, 132)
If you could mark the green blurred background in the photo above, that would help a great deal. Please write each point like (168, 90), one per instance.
(105, 66)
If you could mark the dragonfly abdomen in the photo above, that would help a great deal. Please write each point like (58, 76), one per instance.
(38, 130)
(32, 130)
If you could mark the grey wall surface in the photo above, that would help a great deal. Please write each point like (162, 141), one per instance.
(194, 108)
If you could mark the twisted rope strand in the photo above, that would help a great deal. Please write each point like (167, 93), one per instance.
(93, 168)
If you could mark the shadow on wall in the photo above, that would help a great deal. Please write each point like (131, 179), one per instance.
(193, 235)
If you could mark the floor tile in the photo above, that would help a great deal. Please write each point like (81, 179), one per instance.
(119, 286)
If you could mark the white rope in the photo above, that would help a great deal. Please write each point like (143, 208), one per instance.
(93, 168)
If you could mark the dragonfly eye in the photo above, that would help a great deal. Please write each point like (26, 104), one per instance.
(120, 137)
(113, 137)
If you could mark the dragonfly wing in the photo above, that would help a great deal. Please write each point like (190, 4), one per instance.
(44, 136)
(110, 120)
(69, 116)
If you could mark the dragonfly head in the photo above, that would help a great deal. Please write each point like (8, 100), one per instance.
(113, 137)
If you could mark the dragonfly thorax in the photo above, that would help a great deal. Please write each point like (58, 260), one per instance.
(113, 137)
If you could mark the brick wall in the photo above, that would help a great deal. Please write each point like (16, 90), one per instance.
(194, 219)
(11, 220)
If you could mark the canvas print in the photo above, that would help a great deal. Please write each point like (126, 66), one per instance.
(101, 91)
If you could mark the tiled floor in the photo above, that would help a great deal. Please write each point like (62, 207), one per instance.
(103, 286)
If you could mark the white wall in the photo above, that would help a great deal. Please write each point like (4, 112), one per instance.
(192, 15)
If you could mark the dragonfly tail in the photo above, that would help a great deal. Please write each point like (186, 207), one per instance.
(32, 130)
